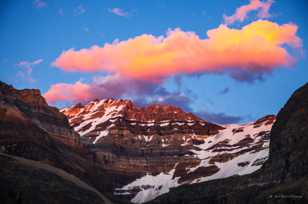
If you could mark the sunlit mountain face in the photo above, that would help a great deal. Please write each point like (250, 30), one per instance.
(153, 102)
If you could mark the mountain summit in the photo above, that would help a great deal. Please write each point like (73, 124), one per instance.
(99, 117)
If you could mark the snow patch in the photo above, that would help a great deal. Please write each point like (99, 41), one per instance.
(152, 186)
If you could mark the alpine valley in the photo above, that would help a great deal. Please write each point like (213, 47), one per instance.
(113, 151)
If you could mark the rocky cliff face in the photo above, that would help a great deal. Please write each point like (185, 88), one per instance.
(41, 159)
(283, 178)
(28, 106)
(289, 148)
(159, 147)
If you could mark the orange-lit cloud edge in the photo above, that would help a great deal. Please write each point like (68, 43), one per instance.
(260, 46)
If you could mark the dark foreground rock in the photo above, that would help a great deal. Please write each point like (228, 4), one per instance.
(41, 159)
(26, 181)
(284, 177)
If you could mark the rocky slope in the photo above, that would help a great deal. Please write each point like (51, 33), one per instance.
(41, 159)
(283, 178)
(28, 106)
(159, 147)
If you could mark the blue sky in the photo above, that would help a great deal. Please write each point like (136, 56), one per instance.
(35, 33)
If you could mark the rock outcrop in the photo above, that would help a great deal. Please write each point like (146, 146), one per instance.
(28, 106)
(289, 136)
(41, 159)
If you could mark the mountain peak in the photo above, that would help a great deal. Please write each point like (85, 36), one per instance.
(104, 115)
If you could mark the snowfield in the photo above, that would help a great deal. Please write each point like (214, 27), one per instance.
(150, 186)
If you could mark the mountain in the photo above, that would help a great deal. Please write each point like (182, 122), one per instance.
(282, 179)
(97, 118)
(28, 107)
(159, 147)
(41, 158)
(155, 154)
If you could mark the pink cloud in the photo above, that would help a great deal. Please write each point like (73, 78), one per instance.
(257, 48)
(107, 87)
(262, 7)
(112, 86)
(68, 92)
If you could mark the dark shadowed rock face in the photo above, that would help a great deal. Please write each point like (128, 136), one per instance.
(40, 156)
(26, 181)
(289, 136)
(28, 106)
(283, 178)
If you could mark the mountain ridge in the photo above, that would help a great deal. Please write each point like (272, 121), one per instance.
(165, 145)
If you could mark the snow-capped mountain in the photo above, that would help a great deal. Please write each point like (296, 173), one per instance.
(159, 147)
(96, 119)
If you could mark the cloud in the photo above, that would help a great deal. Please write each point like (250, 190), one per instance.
(112, 86)
(26, 69)
(262, 8)
(255, 49)
(79, 10)
(115, 86)
(68, 92)
(118, 12)
(220, 118)
(225, 91)
(39, 4)
(177, 98)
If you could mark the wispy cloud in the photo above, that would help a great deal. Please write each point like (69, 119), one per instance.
(220, 118)
(39, 4)
(118, 12)
(25, 73)
(241, 13)
(79, 10)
